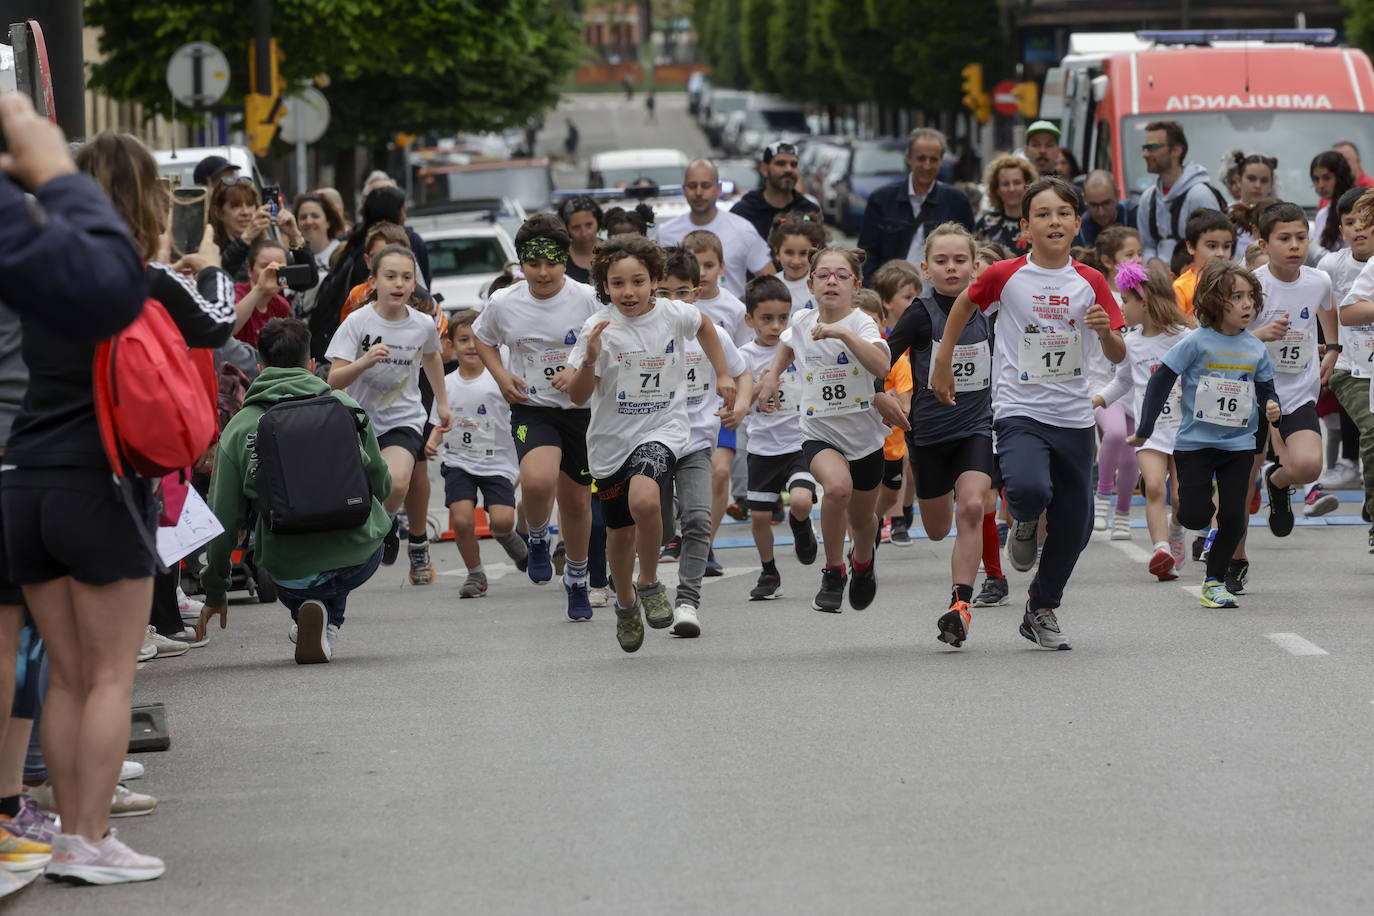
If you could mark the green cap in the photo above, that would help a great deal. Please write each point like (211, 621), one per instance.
(1037, 126)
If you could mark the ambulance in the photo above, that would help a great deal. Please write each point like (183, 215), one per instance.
(1289, 94)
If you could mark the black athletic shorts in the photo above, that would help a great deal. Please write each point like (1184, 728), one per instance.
(459, 485)
(892, 472)
(865, 473)
(72, 522)
(1304, 418)
(10, 593)
(563, 428)
(653, 460)
(406, 438)
(771, 475)
(939, 465)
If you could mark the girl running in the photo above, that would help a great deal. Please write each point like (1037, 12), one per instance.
(1148, 303)
(839, 352)
(1116, 461)
(794, 239)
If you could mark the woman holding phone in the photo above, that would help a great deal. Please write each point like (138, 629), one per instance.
(323, 227)
(240, 217)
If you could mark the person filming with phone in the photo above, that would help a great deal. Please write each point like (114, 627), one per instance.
(260, 298)
(241, 217)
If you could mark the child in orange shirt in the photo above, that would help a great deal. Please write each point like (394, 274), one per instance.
(1210, 237)
(899, 385)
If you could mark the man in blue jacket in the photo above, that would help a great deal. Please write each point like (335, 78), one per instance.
(900, 215)
(1102, 207)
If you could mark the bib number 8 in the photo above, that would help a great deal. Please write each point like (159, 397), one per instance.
(467, 438)
(551, 371)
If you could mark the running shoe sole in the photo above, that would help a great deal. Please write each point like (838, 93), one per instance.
(310, 623)
(80, 875)
(686, 627)
(986, 599)
(1327, 502)
(1162, 566)
(953, 628)
(629, 628)
(1021, 546)
(1280, 507)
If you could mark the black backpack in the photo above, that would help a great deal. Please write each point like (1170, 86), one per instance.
(1175, 210)
(310, 467)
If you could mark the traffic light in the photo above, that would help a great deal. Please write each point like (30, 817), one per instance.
(1027, 99)
(976, 99)
(262, 107)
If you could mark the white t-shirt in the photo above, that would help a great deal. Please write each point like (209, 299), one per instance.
(830, 375)
(801, 294)
(1036, 370)
(779, 432)
(540, 333)
(1143, 356)
(480, 441)
(390, 390)
(745, 250)
(641, 391)
(1298, 384)
(1342, 268)
(1359, 339)
(702, 400)
(727, 312)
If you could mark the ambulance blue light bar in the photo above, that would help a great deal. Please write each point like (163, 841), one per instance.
(1203, 37)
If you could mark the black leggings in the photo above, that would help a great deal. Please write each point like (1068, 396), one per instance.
(1232, 472)
(166, 614)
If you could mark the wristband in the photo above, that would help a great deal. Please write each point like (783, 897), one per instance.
(1334, 348)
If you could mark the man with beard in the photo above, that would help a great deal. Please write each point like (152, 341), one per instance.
(779, 192)
(1042, 147)
(745, 250)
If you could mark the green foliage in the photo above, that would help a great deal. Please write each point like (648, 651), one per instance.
(1359, 23)
(445, 65)
(754, 35)
(725, 54)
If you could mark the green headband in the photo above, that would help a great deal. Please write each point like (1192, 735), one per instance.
(542, 248)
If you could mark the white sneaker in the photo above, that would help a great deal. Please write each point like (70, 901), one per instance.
(291, 633)
(685, 622)
(166, 648)
(331, 635)
(128, 803)
(189, 607)
(598, 597)
(1343, 475)
(1102, 506)
(131, 769)
(77, 860)
(1121, 526)
(312, 634)
(147, 651)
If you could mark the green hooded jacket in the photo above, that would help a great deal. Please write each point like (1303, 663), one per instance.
(234, 493)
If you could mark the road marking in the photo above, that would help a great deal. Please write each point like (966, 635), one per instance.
(1194, 590)
(1132, 552)
(1295, 644)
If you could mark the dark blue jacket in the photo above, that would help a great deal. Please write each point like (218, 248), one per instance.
(889, 225)
(1125, 216)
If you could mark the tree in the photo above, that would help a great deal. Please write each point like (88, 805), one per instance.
(754, 35)
(1359, 23)
(727, 65)
(443, 66)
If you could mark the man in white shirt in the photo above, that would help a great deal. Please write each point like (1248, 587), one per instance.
(745, 250)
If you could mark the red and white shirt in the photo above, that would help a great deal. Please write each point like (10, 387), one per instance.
(1042, 343)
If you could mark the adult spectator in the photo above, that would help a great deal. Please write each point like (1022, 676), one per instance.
(210, 168)
(1006, 178)
(779, 192)
(240, 218)
(900, 215)
(1351, 152)
(745, 251)
(1067, 165)
(582, 217)
(1179, 190)
(1042, 147)
(396, 213)
(1103, 207)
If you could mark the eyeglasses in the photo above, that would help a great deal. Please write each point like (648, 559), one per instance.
(1151, 147)
(231, 180)
(825, 273)
(1102, 204)
(682, 292)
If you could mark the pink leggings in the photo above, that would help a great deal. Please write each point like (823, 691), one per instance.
(1116, 465)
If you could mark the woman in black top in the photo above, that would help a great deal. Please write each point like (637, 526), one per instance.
(582, 216)
(1006, 178)
(240, 218)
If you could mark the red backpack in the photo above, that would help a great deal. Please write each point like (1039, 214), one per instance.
(151, 398)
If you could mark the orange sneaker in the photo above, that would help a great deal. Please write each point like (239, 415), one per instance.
(954, 624)
(1162, 565)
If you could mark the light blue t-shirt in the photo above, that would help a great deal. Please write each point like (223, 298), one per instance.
(1205, 352)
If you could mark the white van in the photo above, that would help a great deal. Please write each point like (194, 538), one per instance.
(182, 162)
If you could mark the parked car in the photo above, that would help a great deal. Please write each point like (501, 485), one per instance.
(763, 120)
(505, 212)
(871, 164)
(816, 160)
(622, 168)
(464, 257)
(526, 181)
(180, 164)
(722, 103)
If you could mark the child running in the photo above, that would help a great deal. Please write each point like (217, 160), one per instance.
(897, 284)
(1357, 335)
(898, 384)
(631, 367)
(1042, 414)
(1225, 370)
(794, 238)
(478, 455)
(839, 351)
(1147, 301)
(774, 451)
(951, 446)
(1209, 237)
(376, 357)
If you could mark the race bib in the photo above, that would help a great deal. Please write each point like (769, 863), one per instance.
(1047, 358)
(646, 382)
(472, 436)
(1293, 353)
(542, 366)
(830, 389)
(1361, 351)
(785, 401)
(1223, 401)
(698, 376)
(1171, 414)
(972, 365)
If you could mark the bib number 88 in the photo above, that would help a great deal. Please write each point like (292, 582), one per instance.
(832, 392)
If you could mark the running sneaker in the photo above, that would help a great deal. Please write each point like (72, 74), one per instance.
(128, 803)
(685, 622)
(1280, 506)
(1021, 545)
(1162, 565)
(189, 607)
(76, 860)
(954, 624)
(147, 651)
(769, 586)
(331, 636)
(40, 795)
(560, 557)
(540, 569)
(884, 532)
(1319, 502)
(312, 648)
(391, 544)
(1255, 496)
(1041, 627)
(713, 569)
(421, 569)
(629, 627)
(778, 514)
(598, 597)
(804, 540)
(31, 823)
(993, 593)
(1344, 475)
(831, 595)
(1237, 572)
(1371, 538)
(1121, 526)
(1214, 594)
(1199, 544)
(579, 602)
(672, 550)
(863, 586)
(1102, 508)
(516, 548)
(18, 853)
(131, 769)
(474, 586)
(901, 533)
(166, 646)
(737, 512)
(658, 610)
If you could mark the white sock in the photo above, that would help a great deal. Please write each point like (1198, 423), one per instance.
(477, 570)
(1162, 545)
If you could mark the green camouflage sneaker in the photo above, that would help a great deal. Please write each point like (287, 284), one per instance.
(629, 627)
(658, 610)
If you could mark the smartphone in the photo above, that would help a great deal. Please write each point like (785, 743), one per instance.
(271, 195)
(188, 219)
(296, 276)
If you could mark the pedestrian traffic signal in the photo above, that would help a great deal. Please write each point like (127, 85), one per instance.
(261, 115)
(1027, 99)
(976, 99)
